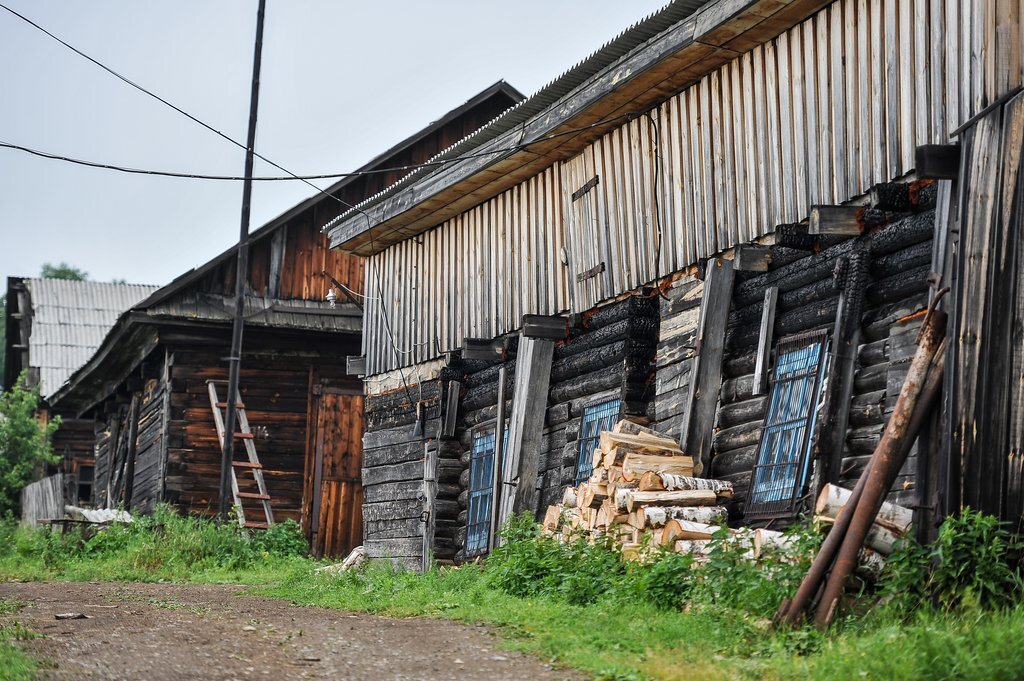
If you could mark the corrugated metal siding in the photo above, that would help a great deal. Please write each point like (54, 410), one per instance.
(831, 107)
(69, 321)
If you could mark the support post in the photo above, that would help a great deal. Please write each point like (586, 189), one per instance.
(499, 462)
(526, 423)
(132, 446)
(241, 275)
(706, 374)
(764, 341)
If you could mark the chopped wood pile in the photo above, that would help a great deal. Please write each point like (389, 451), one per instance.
(642, 492)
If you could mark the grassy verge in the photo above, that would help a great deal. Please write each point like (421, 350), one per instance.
(15, 665)
(613, 638)
(953, 612)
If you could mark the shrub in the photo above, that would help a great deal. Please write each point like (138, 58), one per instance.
(24, 443)
(972, 563)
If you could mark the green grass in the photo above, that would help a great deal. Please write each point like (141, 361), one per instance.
(161, 547)
(580, 605)
(15, 665)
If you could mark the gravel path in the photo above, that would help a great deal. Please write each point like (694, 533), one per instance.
(163, 631)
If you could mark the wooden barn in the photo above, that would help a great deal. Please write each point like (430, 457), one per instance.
(156, 386)
(728, 224)
(53, 326)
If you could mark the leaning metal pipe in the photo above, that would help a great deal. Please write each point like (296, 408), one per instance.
(887, 461)
(792, 612)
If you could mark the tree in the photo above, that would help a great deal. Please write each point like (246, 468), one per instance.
(63, 271)
(24, 443)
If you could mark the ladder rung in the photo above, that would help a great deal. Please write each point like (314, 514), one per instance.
(253, 495)
(244, 436)
(223, 405)
(246, 464)
(256, 525)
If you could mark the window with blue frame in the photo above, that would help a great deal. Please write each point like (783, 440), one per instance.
(481, 492)
(780, 477)
(596, 418)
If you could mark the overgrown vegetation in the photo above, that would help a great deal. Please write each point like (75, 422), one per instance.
(14, 664)
(952, 611)
(24, 444)
(163, 546)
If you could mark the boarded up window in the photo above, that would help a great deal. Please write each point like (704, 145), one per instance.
(586, 235)
(596, 418)
(780, 477)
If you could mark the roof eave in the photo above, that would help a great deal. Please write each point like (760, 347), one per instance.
(639, 80)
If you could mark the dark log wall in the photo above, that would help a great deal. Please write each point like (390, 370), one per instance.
(151, 447)
(680, 312)
(393, 467)
(75, 443)
(275, 391)
(900, 254)
(609, 355)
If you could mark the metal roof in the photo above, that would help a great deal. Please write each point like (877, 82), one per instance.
(70, 319)
(613, 50)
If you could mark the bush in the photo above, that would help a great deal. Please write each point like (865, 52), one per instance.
(973, 563)
(24, 444)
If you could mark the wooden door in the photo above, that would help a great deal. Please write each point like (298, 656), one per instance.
(334, 505)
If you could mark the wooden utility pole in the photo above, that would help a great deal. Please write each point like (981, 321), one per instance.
(241, 275)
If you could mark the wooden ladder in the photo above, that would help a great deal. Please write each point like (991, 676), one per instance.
(253, 464)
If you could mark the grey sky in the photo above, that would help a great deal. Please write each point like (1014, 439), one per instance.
(341, 82)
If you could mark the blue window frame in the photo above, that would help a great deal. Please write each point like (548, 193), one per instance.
(481, 492)
(596, 418)
(779, 478)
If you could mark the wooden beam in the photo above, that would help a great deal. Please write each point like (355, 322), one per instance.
(526, 424)
(450, 408)
(429, 495)
(541, 326)
(498, 482)
(706, 374)
(751, 258)
(355, 365)
(937, 161)
(488, 350)
(831, 435)
(764, 341)
(841, 220)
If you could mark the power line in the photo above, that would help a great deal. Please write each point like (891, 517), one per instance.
(291, 177)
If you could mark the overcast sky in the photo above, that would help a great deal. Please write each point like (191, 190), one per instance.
(341, 82)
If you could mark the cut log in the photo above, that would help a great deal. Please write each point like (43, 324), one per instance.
(698, 548)
(879, 538)
(569, 496)
(701, 497)
(771, 539)
(631, 428)
(635, 465)
(638, 443)
(657, 516)
(685, 529)
(671, 481)
(650, 482)
(552, 518)
(896, 519)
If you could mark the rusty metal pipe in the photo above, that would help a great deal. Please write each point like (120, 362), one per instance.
(887, 460)
(792, 612)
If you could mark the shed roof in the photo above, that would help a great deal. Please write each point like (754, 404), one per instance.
(644, 65)
(70, 319)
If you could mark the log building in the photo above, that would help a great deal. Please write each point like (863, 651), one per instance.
(52, 327)
(726, 223)
(146, 386)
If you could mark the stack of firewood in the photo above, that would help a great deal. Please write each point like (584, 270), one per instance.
(642, 493)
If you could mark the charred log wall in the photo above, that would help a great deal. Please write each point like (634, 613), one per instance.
(608, 355)
(900, 254)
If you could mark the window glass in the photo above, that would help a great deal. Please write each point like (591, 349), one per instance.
(596, 418)
(780, 476)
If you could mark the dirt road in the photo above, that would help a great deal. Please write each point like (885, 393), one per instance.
(163, 632)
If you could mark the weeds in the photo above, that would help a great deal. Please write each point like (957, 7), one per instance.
(163, 546)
